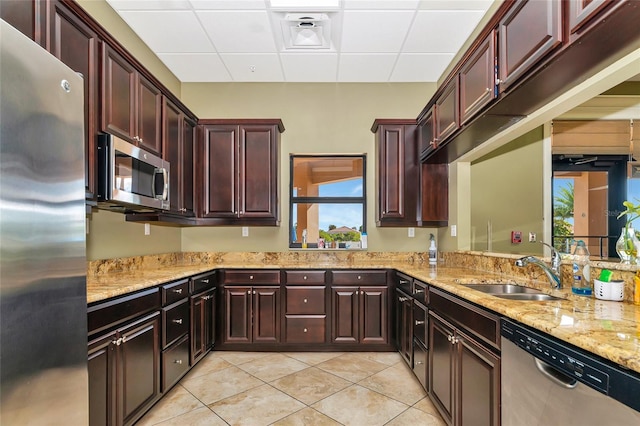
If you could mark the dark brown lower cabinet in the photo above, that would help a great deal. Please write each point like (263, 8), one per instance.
(404, 326)
(203, 324)
(124, 372)
(252, 314)
(359, 314)
(464, 376)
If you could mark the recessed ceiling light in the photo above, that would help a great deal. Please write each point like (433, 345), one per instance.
(305, 4)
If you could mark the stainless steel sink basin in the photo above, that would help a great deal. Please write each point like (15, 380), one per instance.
(528, 296)
(512, 292)
(502, 288)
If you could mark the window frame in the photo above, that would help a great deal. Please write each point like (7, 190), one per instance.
(327, 200)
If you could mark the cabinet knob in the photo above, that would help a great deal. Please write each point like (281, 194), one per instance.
(177, 290)
(359, 277)
(449, 337)
(305, 300)
(304, 278)
(254, 292)
(498, 81)
(305, 330)
(248, 291)
(488, 89)
(418, 322)
(177, 361)
(250, 277)
(177, 321)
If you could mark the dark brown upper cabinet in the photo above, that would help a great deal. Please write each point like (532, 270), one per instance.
(427, 134)
(28, 17)
(76, 44)
(529, 31)
(582, 14)
(240, 172)
(447, 111)
(478, 79)
(131, 104)
(434, 194)
(178, 136)
(397, 172)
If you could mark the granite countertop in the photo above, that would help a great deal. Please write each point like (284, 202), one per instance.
(606, 328)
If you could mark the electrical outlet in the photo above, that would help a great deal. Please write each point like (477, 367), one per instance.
(532, 237)
(411, 232)
(245, 231)
(454, 230)
(147, 229)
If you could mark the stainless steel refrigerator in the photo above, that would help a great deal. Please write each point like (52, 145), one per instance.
(43, 304)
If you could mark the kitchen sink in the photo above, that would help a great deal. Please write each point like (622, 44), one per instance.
(512, 292)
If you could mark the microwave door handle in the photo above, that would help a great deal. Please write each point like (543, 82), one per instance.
(154, 191)
(165, 179)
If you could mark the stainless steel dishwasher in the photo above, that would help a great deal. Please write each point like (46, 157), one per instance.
(548, 382)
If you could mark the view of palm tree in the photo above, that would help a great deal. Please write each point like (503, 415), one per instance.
(563, 201)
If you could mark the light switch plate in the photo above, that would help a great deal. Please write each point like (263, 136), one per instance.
(147, 229)
(245, 231)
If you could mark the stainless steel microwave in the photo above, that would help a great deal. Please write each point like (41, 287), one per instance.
(130, 178)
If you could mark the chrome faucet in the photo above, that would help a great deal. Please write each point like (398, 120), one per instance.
(552, 272)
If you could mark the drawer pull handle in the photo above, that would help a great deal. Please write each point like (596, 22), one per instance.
(177, 290)
(418, 291)
(205, 281)
(305, 330)
(419, 362)
(404, 282)
(250, 277)
(403, 299)
(177, 321)
(305, 300)
(177, 361)
(418, 322)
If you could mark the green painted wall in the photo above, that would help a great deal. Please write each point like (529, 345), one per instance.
(506, 195)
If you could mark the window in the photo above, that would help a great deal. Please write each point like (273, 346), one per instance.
(328, 201)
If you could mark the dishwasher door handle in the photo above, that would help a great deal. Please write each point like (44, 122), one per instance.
(554, 375)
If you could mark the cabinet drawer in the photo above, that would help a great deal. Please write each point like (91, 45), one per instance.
(305, 277)
(305, 300)
(420, 318)
(420, 292)
(173, 292)
(252, 277)
(175, 363)
(175, 319)
(305, 329)
(203, 282)
(479, 322)
(420, 359)
(366, 277)
(106, 315)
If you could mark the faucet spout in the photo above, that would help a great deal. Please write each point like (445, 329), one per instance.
(552, 273)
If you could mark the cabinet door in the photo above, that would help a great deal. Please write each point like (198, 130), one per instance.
(528, 32)
(448, 114)
(391, 154)
(428, 140)
(581, 12)
(221, 183)
(257, 174)
(373, 315)
(477, 79)
(441, 365)
(171, 139)
(434, 187)
(404, 315)
(139, 367)
(118, 95)
(266, 314)
(237, 314)
(344, 303)
(479, 384)
(148, 116)
(102, 381)
(188, 166)
(28, 17)
(202, 324)
(75, 44)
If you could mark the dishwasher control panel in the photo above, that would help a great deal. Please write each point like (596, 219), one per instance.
(596, 372)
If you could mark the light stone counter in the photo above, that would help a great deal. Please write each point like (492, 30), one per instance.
(609, 329)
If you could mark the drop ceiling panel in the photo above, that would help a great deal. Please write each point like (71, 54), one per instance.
(374, 31)
(431, 31)
(239, 31)
(169, 31)
(253, 67)
(196, 67)
(313, 67)
(371, 40)
(365, 67)
(415, 67)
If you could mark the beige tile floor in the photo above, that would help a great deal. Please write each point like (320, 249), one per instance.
(303, 388)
